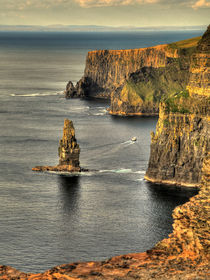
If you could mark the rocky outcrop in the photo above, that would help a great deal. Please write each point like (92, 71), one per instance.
(185, 254)
(68, 152)
(181, 141)
(135, 80)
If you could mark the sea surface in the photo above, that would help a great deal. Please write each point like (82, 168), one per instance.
(47, 219)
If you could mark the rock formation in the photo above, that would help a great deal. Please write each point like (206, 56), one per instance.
(135, 80)
(185, 254)
(68, 152)
(181, 141)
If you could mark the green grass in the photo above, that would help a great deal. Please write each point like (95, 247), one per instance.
(177, 103)
(189, 43)
(185, 47)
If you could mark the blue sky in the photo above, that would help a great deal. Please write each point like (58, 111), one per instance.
(105, 12)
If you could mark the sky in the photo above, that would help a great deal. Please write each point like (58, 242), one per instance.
(140, 13)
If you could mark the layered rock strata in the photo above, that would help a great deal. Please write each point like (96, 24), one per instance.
(135, 80)
(68, 152)
(181, 141)
(185, 254)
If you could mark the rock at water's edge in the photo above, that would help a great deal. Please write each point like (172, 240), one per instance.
(68, 152)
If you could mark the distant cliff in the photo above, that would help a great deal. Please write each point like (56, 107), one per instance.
(181, 141)
(136, 79)
(185, 254)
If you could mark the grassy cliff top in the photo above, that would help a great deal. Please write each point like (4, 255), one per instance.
(188, 43)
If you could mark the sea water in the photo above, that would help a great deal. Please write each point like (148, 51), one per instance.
(48, 219)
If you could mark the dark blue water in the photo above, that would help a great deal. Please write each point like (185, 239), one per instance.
(49, 219)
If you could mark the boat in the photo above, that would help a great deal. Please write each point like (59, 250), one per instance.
(133, 138)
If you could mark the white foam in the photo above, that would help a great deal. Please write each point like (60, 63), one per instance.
(71, 174)
(80, 108)
(122, 170)
(37, 94)
(98, 114)
(101, 112)
(140, 172)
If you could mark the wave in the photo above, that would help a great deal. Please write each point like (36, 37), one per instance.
(36, 94)
(121, 171)
(101, 112)
(73, 174)
(79, 108)
(140, 172)
(95, 172)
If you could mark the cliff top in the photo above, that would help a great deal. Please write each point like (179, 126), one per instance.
(188, 43)
(68, 130)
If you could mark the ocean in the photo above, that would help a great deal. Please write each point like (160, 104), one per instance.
(47, 219)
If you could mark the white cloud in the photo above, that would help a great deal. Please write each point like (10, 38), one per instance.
(201, 4)
(101, 3)
(27, 4)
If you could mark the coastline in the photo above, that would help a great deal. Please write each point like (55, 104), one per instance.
(183, 255)
(171, 182)
(123, 114)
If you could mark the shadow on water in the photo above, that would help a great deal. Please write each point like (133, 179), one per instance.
(162, 201)
(176, 194)
(69, 192)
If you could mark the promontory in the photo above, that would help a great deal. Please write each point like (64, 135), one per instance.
(135, 80)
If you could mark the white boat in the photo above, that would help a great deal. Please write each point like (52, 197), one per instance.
(134, 138)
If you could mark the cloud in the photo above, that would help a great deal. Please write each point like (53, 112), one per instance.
(201, 4)
(103, 3)
(36, 4)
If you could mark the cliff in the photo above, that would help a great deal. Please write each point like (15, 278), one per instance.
(68, 152)
(185, 254)
(181, 141)
(136, 79)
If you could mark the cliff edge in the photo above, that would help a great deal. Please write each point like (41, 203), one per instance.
(181, 141)
(185, 254)
(135, 80)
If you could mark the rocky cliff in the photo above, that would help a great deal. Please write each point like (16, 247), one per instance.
(185, 254)
(181, 141)
(135, 80)
(68, 152)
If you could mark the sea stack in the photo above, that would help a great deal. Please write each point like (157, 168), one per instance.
(68, 152)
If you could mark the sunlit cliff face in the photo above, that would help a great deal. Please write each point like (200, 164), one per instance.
(200, 70)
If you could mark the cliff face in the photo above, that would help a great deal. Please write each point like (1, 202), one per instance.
(185, 254)
(106, 70)
(143, 90)
(68, 152)
(135, 80)
(190, 236)
(181, 141)
(109, 69)
(68, 148)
